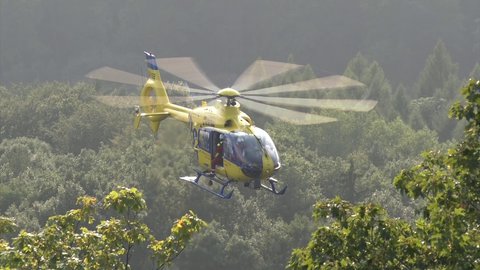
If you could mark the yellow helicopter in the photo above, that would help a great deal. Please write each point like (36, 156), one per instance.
(228, 146)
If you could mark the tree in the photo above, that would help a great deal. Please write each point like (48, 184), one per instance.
(438, 70)
(76, 240)
(449, 184)
(360, 237)
(435, 91)
(445, 236)
(400, 101)
(67, 117)
(377, 86)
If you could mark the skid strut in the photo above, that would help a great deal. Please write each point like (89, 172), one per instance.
(212, 178)
(272, 188)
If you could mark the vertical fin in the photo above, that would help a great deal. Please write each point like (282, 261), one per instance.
(152, 66)
(153, 97)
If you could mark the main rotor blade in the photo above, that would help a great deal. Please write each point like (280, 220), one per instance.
(324, 83)
(185, 88)
(116, 75)
(186, 69)
(131, 101)
(261, 70)
(120, 76)
(337, 104)
(289, 116)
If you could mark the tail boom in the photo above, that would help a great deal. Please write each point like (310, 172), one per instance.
(154, 102)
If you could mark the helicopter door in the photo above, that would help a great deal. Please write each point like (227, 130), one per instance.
(217, 153)
(210, 148)
(204, 150)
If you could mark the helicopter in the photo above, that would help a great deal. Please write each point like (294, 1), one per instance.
(228, 146)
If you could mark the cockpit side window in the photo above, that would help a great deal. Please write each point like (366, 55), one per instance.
(204, 139)
(228, 148)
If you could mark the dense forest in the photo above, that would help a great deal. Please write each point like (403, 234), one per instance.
(363, 177)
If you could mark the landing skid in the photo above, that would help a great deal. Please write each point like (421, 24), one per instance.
(211, 177)
(272, 188)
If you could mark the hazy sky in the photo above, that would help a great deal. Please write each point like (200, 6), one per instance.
(63, 40)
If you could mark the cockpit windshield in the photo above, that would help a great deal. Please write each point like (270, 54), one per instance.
(246, 150)
(267, 144)
(243, 149)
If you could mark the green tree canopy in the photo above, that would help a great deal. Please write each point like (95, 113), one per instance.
(445, 236)
(80, 239)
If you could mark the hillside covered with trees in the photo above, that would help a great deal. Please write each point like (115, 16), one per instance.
(59, 143)
(377, 201)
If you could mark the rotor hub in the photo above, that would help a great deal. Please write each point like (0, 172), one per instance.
(228, 93)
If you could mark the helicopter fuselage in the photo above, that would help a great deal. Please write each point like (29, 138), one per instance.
(228, 144)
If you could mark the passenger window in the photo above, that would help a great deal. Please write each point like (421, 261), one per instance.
(204, 140)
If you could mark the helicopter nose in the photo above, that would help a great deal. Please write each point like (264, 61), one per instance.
(268, 167)
(252, 171)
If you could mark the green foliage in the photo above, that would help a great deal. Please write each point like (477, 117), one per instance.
(353, 158)
(360, 237)
(59, 143)
(400, 101)
(70, 241)
(66, 117)
(165, 251)
(434, 92)
(377, 86)
(125, 200)
(33, 187)
(447, 234)
(449, 184)
(438, 70)
(7, 225)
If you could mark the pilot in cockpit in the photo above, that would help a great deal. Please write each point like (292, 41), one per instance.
(240, 150)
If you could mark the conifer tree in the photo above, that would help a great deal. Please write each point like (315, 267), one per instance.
(435, 90)
(437, 72)
(400, 101)
(377, 86)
